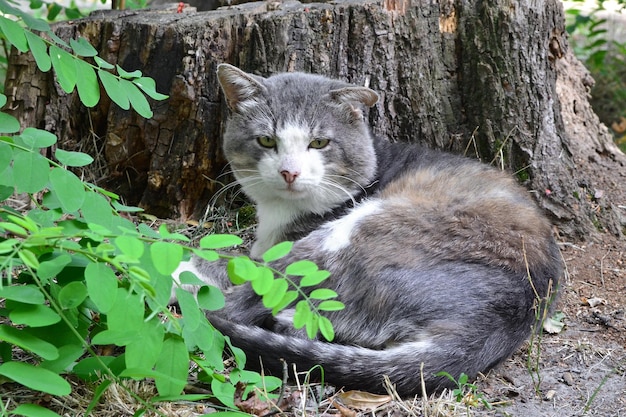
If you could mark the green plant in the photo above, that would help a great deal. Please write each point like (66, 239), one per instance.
(76, 273)
(75, 70)
(466, 392)
(603, 51)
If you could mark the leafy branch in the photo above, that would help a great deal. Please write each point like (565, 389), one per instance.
(76, 273)
(126, 89)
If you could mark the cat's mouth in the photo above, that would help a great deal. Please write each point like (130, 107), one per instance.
(292, 192)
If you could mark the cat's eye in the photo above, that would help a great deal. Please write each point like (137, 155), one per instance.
(266, 141)
(319, 143)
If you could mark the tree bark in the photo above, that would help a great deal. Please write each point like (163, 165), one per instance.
(495, 80)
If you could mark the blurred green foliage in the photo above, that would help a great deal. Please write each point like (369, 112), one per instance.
(598, 37)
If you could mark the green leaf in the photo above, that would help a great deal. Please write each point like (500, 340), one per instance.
(241, 269)
(173, 364)
(97, 394)
(72, 159)
(97, 210)
(331, 305)
(68, 355)
(165, 234)
(189, 308)
(101, 63)
(189, 278)
(312, 326)
(39, 49)
(50, 269)
(72, 295)
(263, 282)
(130, 246)
(53, 11)
(288, 298)
(125, 74)
(36, 378)
(6, 154)
(33, 410)
(326, 329)
(68, 188)
(219, 241)
(126, 316)
(13, 228)
(28, 342)
(301, 268)
(314, 278)
(101, 286)
(323, 294)
(143, 351)
(29, 258)
(224, 392)
(126, 209)
(92, 368)
(14, 33)
(23, 293)
(276, 293)
(34, 23)
(37, 138)
(33, 315)
(208, 255)
(137, 100)
(277, 251)
(32, 169)
(82, 47)
(8, 123)
(114, 89)
(7, 246)
(65, 68)
(87, 83)
(26, 222)
(210, 298)
(166, 256)
(301, 315)
(148, 86)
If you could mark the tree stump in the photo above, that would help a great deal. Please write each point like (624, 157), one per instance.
(493, 80)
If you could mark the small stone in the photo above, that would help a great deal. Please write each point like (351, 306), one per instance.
(568, 378)
(549, 395)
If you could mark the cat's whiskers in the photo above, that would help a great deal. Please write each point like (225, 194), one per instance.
(337, 187)
(355, 182)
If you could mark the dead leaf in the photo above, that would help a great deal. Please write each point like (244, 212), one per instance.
(593, 301)
(554, 324)
(363, 400)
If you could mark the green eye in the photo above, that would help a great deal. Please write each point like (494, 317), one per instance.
(319, 143)
(266, 141)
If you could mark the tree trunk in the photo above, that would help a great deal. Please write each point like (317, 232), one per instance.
(494, 80)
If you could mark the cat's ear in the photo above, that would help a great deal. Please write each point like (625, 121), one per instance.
(240, 88)
(353, 99)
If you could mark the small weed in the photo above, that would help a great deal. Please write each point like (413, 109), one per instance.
(466, 392)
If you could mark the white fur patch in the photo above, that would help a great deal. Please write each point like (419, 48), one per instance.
(341, 230)
(184, 266)
(294, 136)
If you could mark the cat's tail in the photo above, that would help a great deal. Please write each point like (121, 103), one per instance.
(354, 367)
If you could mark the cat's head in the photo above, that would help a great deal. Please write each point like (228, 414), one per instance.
(298, 138)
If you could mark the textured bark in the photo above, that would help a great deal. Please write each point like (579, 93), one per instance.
(492, 79)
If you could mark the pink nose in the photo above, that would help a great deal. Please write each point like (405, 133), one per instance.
(289, 176)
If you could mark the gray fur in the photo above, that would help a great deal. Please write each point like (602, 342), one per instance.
(432, 254)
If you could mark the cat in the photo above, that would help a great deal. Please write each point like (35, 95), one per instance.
(442, 262)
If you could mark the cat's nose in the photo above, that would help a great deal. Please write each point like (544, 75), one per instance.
(289, 176)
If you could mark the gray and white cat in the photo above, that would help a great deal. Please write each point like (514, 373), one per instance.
(440, 260)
